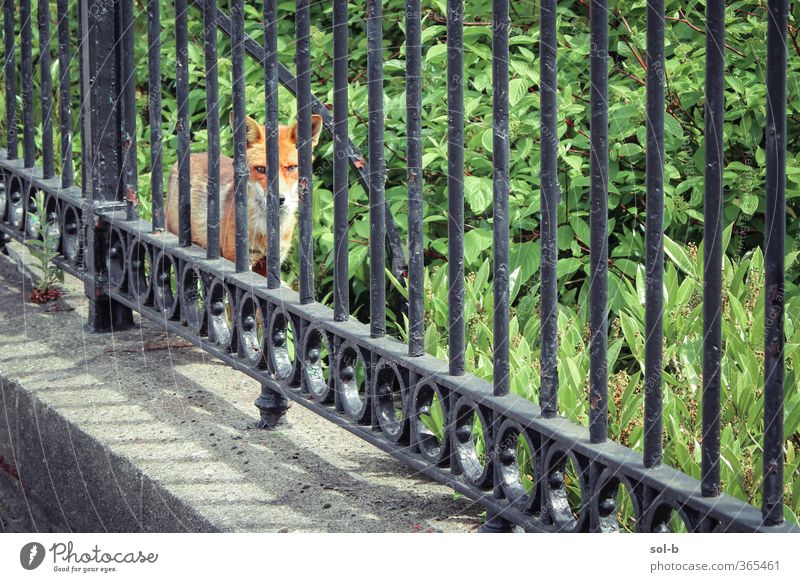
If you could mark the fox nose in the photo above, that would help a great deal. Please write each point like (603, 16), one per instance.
(281, 199)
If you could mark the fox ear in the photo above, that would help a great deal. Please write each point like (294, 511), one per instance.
(255, 132)
(316, 129)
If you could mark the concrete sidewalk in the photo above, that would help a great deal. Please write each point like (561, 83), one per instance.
(139, 431)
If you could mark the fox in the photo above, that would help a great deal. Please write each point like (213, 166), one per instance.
(256, 193)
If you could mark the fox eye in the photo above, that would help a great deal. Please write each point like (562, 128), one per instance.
(261, 169)
(291, 169)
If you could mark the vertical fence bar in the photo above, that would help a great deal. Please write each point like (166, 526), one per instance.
(100, 143)
(712, 263)
(416, 274)
(774, 252)
(377, 212)
(130, 174)
(654, 267)
(500, 155)
(46, 86)
(212, 127)
(154, 110)
(550, 195)
(455, 184)
(28, 144)
(241, 171)
(272, 405)
(271, 97)
(65, 94)
(83, 89)
(500, 233)
(305, 186)
(598, 225)
(11, 80)
(341, 169)
(182, 90)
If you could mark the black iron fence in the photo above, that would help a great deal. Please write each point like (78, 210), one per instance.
(352, 374)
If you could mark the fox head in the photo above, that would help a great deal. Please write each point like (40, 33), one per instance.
(256, 138)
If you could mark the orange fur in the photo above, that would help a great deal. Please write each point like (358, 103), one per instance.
(256, 189)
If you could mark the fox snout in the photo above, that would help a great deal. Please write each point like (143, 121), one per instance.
(264, 199)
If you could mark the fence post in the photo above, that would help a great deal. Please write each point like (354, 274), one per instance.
(102, 146)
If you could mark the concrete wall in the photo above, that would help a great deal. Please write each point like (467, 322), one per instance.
(139, 431)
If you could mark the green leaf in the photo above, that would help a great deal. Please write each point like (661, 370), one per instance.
(475, 242)
(434, 419)
(487, 140)
(574, 376)
(517, 89)
(567, 266)
(628, 149)
(396, 284)
(478, 193)
(514, 284)
(435, 53)
(749, 204)
(678, 256)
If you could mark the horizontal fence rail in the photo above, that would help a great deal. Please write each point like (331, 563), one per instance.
(350, 373)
